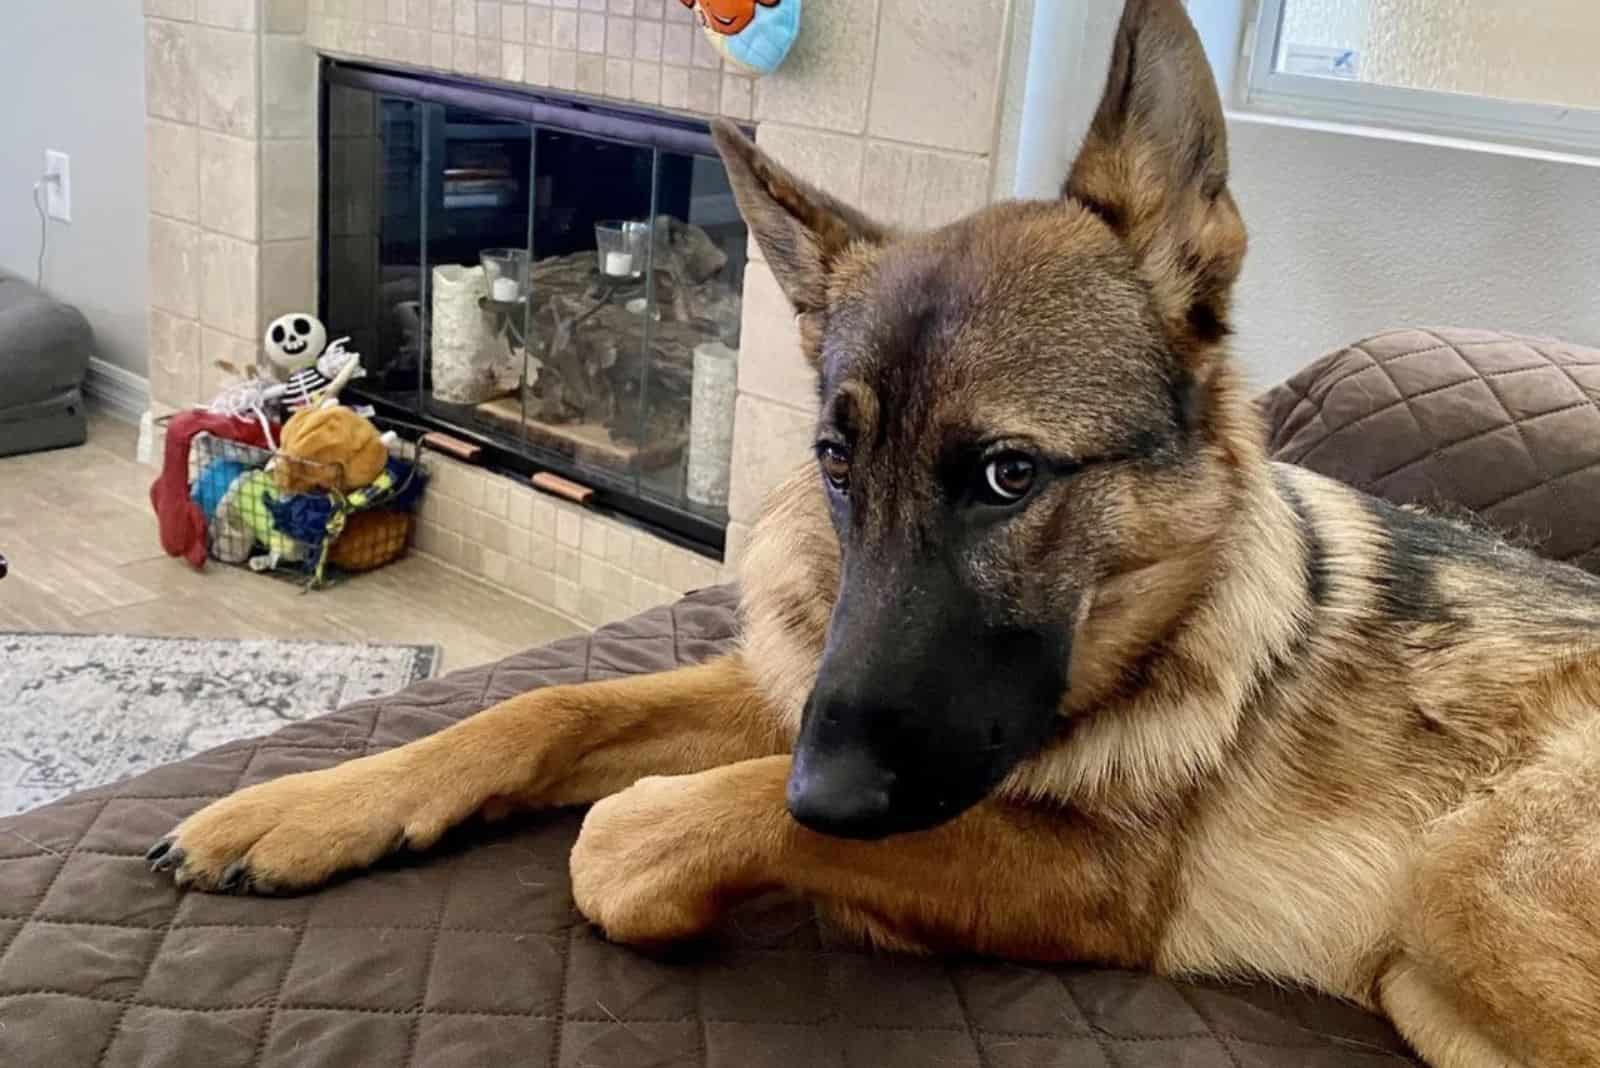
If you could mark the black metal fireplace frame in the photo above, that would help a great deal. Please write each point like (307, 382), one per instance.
(574, 114)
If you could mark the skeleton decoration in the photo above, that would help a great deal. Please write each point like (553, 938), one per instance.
(294, 343)
(336, 360)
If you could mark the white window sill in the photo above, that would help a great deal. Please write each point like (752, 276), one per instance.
(1254, 117)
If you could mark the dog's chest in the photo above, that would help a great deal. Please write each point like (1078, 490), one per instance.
(789, 573)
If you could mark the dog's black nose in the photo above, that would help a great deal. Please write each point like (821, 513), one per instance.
(844, 795)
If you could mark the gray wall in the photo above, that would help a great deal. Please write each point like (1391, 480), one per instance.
(1351, 234)
(72, 78)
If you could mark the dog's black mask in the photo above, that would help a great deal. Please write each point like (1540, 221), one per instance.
(922, 705)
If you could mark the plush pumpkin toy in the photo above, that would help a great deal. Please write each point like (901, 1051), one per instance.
(329, 448)
(754, 35)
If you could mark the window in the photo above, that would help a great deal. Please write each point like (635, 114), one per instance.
(1498, 70)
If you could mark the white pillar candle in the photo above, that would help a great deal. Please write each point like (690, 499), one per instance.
(466, 356)
(505, 290)
(619, 264)
(715, 388)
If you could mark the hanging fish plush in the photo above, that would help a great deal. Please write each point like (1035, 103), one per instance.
(755, 35)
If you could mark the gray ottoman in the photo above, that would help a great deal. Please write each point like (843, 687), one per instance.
(44, 356)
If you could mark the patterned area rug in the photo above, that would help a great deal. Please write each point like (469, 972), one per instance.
(79, 710)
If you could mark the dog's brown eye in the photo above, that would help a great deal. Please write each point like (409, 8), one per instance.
(835, 461)
(1008, 478)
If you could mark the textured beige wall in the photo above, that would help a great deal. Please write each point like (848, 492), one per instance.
(230, 100)
(646, 51)
(893, 104)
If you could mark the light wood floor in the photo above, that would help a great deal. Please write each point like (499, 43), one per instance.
(77, 528)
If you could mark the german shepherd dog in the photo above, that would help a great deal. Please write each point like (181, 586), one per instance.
(1042, 658)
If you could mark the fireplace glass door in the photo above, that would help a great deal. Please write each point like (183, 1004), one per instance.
(565, 293)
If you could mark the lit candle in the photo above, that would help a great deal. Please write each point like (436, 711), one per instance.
(619, 264)
(505, 290)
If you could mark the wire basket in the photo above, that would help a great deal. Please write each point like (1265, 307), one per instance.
(301, 519)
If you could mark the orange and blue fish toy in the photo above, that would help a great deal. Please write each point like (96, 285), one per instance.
(755, 35)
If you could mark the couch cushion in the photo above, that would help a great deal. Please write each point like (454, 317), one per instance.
(45, 345)
(473, 954)
(1502, 425)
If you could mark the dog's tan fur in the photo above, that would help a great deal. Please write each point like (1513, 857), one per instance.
(1306, 737)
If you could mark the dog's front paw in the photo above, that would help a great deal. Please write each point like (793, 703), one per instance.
(643, 870)
(297, 832)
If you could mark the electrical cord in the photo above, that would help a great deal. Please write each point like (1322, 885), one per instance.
(44, 227)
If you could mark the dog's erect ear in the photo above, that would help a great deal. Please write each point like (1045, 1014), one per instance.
(1154, 166)
(801, 230)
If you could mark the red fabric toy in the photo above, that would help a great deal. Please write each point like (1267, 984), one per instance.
(183, 524)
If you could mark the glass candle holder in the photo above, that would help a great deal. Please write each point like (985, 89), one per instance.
(505, 273)
(621, 247)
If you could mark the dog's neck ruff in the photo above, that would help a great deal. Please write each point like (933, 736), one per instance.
(1148, 744)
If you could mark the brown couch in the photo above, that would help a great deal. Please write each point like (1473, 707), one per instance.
(473, 955)
(1501, 426)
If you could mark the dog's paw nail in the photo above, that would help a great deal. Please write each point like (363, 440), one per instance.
(168, 858)
(235, 876)
(154, 854)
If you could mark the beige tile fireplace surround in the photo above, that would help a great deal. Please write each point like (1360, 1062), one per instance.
(899, 106)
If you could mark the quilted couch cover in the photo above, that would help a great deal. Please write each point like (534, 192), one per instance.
(1501, 425)
(473, 955)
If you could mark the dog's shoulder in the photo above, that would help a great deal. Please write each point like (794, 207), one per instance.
(1443, 568)
(1435, 657)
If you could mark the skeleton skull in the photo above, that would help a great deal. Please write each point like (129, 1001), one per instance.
(295, 341)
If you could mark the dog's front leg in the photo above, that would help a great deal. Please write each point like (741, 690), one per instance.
(557, 746)
(659, 861)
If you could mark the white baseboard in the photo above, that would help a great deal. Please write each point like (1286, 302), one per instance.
(123, 393)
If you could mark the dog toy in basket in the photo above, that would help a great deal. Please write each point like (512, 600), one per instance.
(329, 448)
(753, 35)
(341, 492)
(182, 516)
(229, 493)
(330, 492)
(366, 530)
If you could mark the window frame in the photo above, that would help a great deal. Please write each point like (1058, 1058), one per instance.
(1427, 111)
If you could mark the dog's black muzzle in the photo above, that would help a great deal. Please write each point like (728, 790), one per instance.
(919, 711)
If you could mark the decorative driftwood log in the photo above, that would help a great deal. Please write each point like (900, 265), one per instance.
(600, 363)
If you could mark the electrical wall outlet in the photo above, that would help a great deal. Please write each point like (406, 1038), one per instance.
(58, 185)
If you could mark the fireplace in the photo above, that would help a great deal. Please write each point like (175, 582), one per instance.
(911, 110)
(559, 282)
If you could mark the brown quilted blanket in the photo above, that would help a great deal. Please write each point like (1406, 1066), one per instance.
(473, 955)
(1500, 425)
